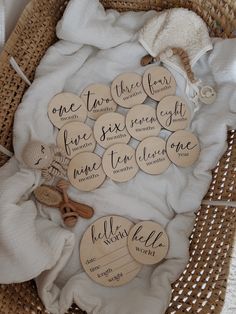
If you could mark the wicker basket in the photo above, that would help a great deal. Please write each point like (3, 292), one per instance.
(201, 288)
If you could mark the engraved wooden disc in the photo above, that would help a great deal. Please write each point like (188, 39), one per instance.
(76, 137)
(98, 100)
(110, 129)
(104, 252)
(127, 90)
(85, 171)
(141, 122)
(119, 162)
(148, 243)
(66, 107)
(158, 82)
(151, 155)
(183, 148)
(173, 113)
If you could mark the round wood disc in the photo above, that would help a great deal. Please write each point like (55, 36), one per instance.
(158, 82)
(141, 122)
(151, 155)
(76, 137)
(110, 129)
(66, 107)
(119, 162)
(148, 243)
(47, 195)
(127, 90)
(173, 113)
(183, 148)
(104, 252)
(98, 100)
(85, 171)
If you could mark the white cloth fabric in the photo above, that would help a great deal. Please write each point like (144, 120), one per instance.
(96, 46)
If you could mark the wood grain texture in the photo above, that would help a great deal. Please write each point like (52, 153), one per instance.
(201, 287)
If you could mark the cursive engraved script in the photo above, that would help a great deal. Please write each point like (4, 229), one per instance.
(93, 104)
(69, 141)
(63, 110)
(171, 115)
(153, 240)
(153, 83)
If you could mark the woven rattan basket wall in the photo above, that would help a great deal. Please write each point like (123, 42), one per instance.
(201, 288)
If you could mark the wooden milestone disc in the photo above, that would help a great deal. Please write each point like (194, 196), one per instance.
(85, 171)
(173, 113)
(76, 137)
(151, 155)
(104, 252)
(183, 148)
(98, 100)
(110, 129)
(127, 90)
(66, 107)
(148, 243)
(119, 162)
(158, 82)
(141, 122)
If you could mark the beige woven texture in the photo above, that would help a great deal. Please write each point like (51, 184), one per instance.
(201, 288)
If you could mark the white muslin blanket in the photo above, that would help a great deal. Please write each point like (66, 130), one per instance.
(94, 47)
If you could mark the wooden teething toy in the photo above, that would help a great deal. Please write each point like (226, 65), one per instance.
(50, 159)
(57, 197)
